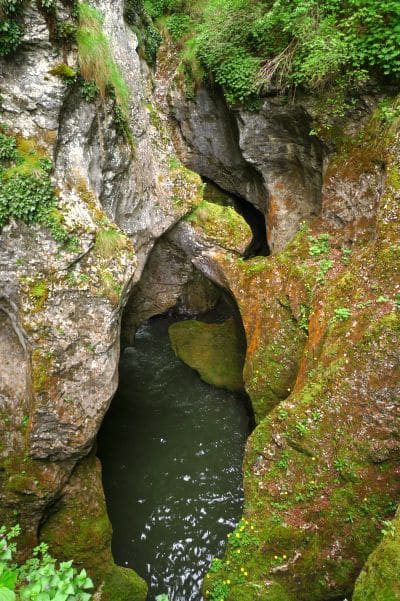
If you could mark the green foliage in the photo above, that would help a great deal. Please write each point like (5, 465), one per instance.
(95, 57)
(250, 46)
(48, 5)
(10, 36)
(341, 314)
(89, 90)
(8, 148)
(26, 190)
(319, 246)
(218, 591)
(178, 26)
(11, 30)
(10, 7)
(39, 578)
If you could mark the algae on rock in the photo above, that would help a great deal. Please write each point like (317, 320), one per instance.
(215, 350)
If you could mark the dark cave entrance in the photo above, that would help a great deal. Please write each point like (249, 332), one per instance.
(253, 216)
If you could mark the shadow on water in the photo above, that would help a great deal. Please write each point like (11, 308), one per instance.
(171, 448)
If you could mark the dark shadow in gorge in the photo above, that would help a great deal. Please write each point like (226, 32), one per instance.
(172, 448)
(253, 216)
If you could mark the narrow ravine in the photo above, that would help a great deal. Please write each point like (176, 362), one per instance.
(171, 448)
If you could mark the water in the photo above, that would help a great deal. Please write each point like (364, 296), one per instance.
(172, 449)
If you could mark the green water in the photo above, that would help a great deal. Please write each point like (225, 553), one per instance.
(171, 448)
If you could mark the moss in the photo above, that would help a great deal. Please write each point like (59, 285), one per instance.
(222, 224)
(214, 350)
(122, 584)
(63, 71)
(109, 241)
(187, 187)
(379, 579)
(42, 364)
(256, 592)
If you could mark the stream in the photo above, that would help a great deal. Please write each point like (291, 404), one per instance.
(171, 448)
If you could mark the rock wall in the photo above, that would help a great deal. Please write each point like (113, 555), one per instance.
(322, 369)
(61, 305)
(265, 156)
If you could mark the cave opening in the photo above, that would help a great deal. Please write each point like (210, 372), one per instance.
(253, 216)
(172, 446)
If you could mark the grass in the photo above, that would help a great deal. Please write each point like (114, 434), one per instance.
(109, 242)
(95, 57)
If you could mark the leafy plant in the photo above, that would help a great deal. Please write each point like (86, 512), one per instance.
(389, 529)
(324, 265)
(341, 314)
(319, 246)
(10, 36)
(26, 190)
(323, 45)
(40, 578)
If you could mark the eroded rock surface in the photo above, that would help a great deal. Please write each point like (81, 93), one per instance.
(266, 156)
(322, 468)
(61, 305)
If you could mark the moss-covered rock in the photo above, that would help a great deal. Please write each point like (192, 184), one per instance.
(380, 577)
(223, 225)
(215, 350)
(321, 468)
(80, 529)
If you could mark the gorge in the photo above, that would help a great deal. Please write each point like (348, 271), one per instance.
(127, 203)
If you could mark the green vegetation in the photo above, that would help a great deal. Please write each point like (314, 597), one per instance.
(379, 580)
(97, 65)
(39, 578)
(215, 350)
(249, 47)
(26, 191)
(11, 30)
(149, 37)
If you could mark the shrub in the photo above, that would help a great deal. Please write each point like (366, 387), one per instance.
(250, 46)
(39, 577)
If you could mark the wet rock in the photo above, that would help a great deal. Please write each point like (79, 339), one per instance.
(80, 525)
(321, 468)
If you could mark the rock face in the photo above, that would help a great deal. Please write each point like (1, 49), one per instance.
(379, 579)
(322, 468)
(60, 306)
(321, 315)
(266, 156)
